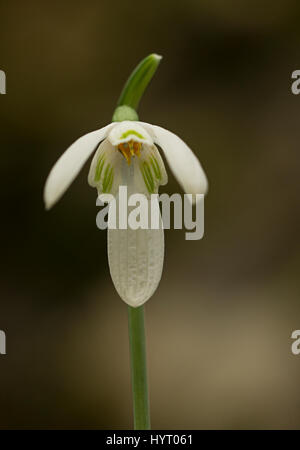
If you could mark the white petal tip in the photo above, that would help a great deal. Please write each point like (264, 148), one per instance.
(204, 185)
(49, 200)
(129, 302)
(137, 300)
(48, 206)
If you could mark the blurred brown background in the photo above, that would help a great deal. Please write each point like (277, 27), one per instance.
(219, 325)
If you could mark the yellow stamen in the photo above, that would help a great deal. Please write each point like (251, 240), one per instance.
(130, 148)
(137, 148)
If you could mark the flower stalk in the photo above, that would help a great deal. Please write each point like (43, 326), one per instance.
(137, 343)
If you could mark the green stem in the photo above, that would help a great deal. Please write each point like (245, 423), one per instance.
(137, 342)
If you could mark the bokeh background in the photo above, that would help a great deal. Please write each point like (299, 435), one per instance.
(219, 326)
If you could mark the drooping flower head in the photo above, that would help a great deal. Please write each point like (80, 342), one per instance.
(126, 154)
(120, 146)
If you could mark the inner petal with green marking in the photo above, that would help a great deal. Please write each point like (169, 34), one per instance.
(108, 178)
(105, 169)
(127, 163)
(152, 169)
(131, 132)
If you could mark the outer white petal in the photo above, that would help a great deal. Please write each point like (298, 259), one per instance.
(182, 161)
(135, 256)
(69, 164)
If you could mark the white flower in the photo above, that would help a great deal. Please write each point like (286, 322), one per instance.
(127, 155)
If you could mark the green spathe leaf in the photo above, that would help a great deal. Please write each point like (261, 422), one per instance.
(138, 81)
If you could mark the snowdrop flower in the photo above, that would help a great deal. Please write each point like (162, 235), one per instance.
(126, 154)
(126, 157)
